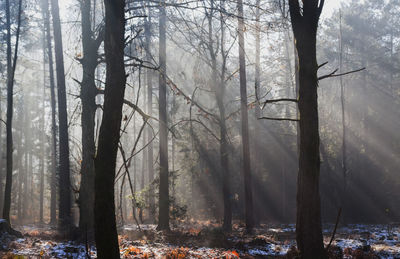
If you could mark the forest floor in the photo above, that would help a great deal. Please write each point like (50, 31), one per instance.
(205, 240)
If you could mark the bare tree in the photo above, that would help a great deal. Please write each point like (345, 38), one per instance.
(64, 182)
(11, 65)
(89, 61)
(308, 221)
(104, 207)
(163, 212)
(150, 162)
(54, 166)
(246, 170)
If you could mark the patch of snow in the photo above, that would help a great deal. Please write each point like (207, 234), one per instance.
(348, 243)
(256, 252)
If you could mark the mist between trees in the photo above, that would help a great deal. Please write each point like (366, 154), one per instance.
(161, 112)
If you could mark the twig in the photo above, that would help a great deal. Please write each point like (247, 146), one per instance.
(130, 185)
(323, 64)
(333, 74)
(334, 230)
(278, 119)
(278, 100)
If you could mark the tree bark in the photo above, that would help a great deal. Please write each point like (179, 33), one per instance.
(163, 215)
(308, 221)
(88, 97)
(257, 110)
(54, 167)
(11, 65)
(343, 104)
(150, 161)
(42, 131)
(104, 207)
(218, 84)
(64, 213)
(246, 171)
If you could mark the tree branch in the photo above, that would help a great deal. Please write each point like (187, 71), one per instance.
(323, 64)
(333, 74)
(279, 100)
(277, 119)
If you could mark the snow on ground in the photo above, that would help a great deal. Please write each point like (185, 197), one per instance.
(49, 249)
(383, 240)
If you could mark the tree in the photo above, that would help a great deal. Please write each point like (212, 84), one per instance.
(163, 212)
(219, 85)
(245, 123)
(214, 49)
(257, 85)
(308, 221)
(54, 166)
(149, 76)
(11, 65)
(104, 207)
(42, 129)
(64, 214)
(342, 102)
(88, 94)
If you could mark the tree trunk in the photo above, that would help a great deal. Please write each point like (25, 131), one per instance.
(219, 88)
(246, 171)
(30, 196)
(54, 167)
(163, 215)
(104, 207)
(25, 181)
(88, 97)
(42, 133)
(257, 110)
(11, 65)
(308, 221)
(20, 156)
(150, 161)
(143, 170)
(64, 213)
(342, 101)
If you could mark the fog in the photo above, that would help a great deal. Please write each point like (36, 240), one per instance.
(358, 44)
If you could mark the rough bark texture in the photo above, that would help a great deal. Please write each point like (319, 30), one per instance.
(105, 225)
(64, 213)
(163, 210)
(246, 171)
(88, 96)
(308, 221)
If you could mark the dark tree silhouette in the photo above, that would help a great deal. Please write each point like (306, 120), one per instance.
(150, 162)
(163, 213)
(64, 182)
(54, 166)
(308, 220)
(90, 46)
(246, 170)
(104, 207)
(11, 65)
